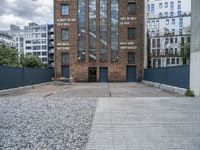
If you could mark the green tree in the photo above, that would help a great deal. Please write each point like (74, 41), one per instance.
(9, 57)
(31, 61)
(185, 53)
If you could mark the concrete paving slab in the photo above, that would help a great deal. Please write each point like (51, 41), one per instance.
(146, 123)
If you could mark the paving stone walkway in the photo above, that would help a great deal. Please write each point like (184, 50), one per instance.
(146, 124)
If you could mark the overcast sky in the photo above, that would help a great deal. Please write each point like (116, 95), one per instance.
(21, 12)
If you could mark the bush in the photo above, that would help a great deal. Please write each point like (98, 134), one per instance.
(9, 57)
(189, 93)
(31, 61)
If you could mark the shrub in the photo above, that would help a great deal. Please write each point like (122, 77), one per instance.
(189, 93)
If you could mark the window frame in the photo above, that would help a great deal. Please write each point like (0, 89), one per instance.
(132, 61)
(131, 37)
(62, 34)
(135, 10)
(61, 12)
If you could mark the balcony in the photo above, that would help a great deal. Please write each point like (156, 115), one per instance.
(51, 51)
(51, 37)
(183, 14)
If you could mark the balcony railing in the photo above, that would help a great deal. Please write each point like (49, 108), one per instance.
(157, 16)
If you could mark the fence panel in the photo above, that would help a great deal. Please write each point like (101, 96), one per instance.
(16, 77)
(175, 76)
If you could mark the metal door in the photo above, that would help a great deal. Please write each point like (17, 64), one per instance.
(103, 74)
(65, 72)
(131, 74)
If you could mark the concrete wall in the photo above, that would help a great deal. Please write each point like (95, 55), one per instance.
(145, 35)
(195, 48)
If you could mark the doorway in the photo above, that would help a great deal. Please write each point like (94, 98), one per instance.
(131, 74)
(92, 74)
(103, 74)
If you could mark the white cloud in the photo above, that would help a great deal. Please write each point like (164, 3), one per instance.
(21, 12)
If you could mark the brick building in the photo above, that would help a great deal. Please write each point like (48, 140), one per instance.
(99, 40)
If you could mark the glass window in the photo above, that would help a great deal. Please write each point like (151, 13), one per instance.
(28, 42)
(173, 31)
(167, 21)
(171, 5)
(36, 47)
(152, 8)
(173, 21)
(44, 47)
(43, 29)
(177, 61)
(103, 31)
(171, 14)
(153, 43)
(92, 30)
(131, 58)
(166, 4)
(159, 62)
(176, 40)
(131, 8)
(160, 5)
(114, 30)
(154, 63)
(44, 53)
(28, 48)
(64, 9)
(168, 61)
(158, 43)
(179, 13)
(43, 35)
(171, 40)
(179, 5)
(81, 30)
(149, 8)
(180, 22)
(65, 34)
(131, 33)
(65, 58)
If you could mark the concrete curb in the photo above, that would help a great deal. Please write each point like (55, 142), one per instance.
(13, 90)
(170, 88)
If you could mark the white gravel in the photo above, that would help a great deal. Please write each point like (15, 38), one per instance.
(45, 123)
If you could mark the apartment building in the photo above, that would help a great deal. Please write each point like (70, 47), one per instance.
(99, 40)
(36, 41)
(18, 36)
(7, 40)
(169, 24)
(51, 46)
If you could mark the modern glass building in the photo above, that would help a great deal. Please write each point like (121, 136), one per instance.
(99, 40)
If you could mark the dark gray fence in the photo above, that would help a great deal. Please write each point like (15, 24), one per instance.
(175, 76)
(17, 77)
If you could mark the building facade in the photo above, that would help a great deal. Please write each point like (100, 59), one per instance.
(169, 25)
(18, 36)
(51, 46)
(7, 39)
(34, 39)
(99, 40)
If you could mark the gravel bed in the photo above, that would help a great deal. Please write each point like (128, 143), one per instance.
(45, 123)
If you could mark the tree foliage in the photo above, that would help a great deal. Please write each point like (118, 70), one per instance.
(185, 52)
(8, 57)
(31, 61)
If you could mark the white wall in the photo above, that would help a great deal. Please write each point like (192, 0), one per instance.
(195, 49)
